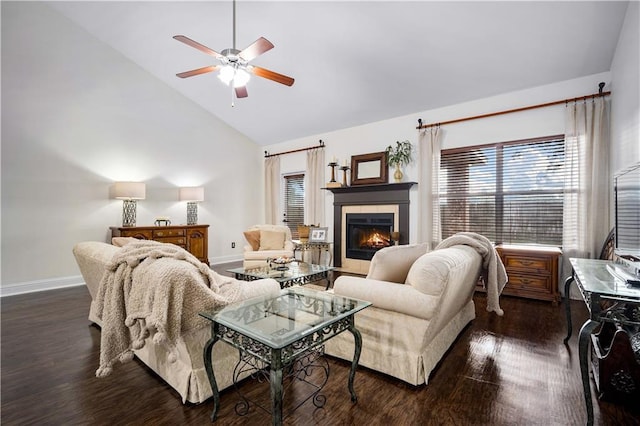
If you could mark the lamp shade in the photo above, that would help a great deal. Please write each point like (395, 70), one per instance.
(192, 194)
(129, 190)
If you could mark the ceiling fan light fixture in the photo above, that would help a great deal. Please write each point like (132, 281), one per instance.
(227, 74)
(241, 78)
(232, 74)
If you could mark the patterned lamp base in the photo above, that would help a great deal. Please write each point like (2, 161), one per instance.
(129, 213)
(192, 213)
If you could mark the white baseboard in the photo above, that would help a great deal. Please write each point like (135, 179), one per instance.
(225, 259)
(40, 285)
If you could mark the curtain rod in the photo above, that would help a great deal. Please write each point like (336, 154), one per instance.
(492, 114)
(321, 145)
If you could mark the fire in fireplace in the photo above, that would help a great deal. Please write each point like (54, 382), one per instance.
(367, 233)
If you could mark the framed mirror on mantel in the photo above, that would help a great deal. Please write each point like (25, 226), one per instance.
(369, 169)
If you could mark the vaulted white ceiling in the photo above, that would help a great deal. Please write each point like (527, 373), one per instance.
(360, 61)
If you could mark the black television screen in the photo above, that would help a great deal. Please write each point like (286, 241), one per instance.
(627, 213)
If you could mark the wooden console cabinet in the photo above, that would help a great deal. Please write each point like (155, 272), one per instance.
(193, 238)
(532, 271)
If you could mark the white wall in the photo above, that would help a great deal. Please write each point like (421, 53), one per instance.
(77, 116)
(625, 104)
(623, 81)
(375, 137)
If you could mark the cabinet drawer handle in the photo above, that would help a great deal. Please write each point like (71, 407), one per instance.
(526, 262)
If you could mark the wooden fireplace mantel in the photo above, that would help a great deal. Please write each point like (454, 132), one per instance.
(376, 194)
(370, 188)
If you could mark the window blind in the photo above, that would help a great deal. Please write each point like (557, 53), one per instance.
(294, 202)
(510, 192)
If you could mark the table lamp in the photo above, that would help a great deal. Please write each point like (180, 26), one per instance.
(129, 192)
(192, 195)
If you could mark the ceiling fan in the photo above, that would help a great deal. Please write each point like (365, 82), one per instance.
(234, 67)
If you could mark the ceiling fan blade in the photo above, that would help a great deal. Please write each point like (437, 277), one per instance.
(200, 47)
(265, 73)
(256, 49)
(198, 71)
(241, 92)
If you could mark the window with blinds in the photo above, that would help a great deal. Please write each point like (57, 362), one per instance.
(294, 202)
(510, 192)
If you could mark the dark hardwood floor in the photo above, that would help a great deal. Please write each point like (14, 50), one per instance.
(511, 370)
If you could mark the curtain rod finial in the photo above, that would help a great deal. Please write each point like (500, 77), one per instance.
(600, 87)
(419, 122)
(321, 143)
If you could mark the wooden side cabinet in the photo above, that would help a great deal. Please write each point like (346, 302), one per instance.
(193, 238)
(532, 271)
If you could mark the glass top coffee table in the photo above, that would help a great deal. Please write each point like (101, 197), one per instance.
(296, 273)
(280, 335)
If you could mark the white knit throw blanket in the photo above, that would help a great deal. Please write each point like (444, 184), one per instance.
(496, 276)
(157, 289)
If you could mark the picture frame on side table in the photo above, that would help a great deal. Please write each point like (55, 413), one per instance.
(368, 169)
(318, 235)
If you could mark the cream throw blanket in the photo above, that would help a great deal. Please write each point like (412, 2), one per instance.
(157, 289)
(494, 272)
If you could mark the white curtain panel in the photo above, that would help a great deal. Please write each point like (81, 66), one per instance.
(314, 181)
(429, 146)
(587, 183)
(271, 189)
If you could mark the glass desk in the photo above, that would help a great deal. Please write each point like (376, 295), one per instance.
(608, 299)
(296, 273)
(274, 333)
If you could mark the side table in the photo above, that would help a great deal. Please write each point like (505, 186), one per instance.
(272, 333)
(316, 248)
(609, 300)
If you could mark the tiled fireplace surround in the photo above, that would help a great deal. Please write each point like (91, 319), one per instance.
(380, 198)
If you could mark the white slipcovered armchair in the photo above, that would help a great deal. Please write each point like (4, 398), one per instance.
(421, 302)
(266, 242)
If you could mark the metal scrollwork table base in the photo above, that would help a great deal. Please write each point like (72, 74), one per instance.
(282, 335)
(606, 298)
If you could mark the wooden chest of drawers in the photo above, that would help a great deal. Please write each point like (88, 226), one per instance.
(532, 271)
(193, 238)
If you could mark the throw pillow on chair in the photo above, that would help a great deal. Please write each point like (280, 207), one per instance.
(271, 240)
(253, 238)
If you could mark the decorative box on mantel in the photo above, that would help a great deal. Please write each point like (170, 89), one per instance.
(378, 196)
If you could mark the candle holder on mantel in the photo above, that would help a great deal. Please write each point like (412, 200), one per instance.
(395, 237)
(344, 175)
(333, 165)
(332, 183)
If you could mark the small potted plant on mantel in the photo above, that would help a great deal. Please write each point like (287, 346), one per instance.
(398, 156)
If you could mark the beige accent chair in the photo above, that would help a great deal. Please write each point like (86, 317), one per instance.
(421, 302)
(266, 242)
(187, 375)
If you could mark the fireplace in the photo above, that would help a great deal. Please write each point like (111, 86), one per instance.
(387, 199)
(367, 233)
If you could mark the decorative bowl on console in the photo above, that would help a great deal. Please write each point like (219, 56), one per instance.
(280, 263)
